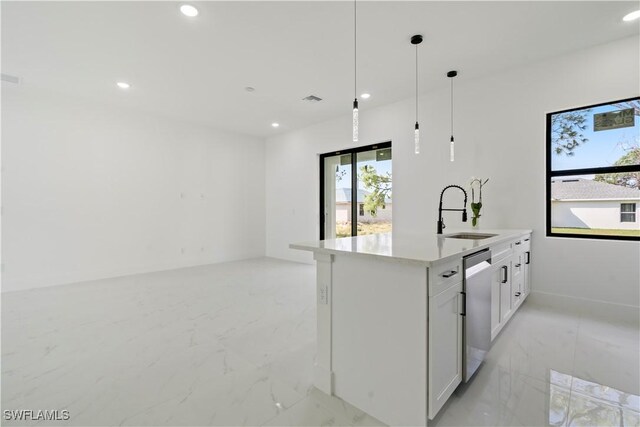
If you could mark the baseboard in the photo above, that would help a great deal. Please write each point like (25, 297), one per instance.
(602, 310)
(24, 284)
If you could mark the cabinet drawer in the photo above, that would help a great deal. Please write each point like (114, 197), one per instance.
(522, 244)
(500, 252)
(443, 276)
(517, 265)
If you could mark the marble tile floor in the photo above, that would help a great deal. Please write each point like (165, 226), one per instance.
(234, 343)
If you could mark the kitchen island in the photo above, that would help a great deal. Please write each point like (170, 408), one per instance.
(389, 324)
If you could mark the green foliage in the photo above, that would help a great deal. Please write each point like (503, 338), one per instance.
(566, 131)
(627, 179)
(379, 186)
(475, 208)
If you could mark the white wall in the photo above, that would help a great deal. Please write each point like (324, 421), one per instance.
(500, 134)
(603, 214)
(90, 191)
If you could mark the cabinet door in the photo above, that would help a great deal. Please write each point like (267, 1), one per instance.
(527, 272)
(496, 318)
(517, 280)
(506, 304)
(445, 346)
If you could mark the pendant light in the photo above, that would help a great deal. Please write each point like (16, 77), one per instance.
(416, 40)
(451, 75)
(355, 73)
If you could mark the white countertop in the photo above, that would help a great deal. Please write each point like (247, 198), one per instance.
(424, 250)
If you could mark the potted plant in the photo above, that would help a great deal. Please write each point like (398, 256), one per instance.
(476, 206)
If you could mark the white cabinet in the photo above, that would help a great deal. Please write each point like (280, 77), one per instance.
(527, 273)
(496, 319)
(445, 346)
(510, 283)
(502, 294)
(517, 280)
(504, 278)
(526, 265)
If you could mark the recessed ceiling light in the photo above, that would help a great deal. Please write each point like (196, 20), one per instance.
(365, 96)
(275, 125)
(123, 85)
(632, 16)
(188, 10)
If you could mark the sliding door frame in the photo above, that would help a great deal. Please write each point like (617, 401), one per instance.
(354, 182)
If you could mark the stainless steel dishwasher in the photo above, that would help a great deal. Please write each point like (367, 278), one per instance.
(477, 311)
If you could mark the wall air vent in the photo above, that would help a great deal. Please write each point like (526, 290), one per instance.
(10, 79)
(312, 98)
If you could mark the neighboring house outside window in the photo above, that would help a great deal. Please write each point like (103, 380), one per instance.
(627, 212)
(343, 207)
(579, 203)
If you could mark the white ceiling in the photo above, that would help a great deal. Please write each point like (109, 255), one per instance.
(196, 69)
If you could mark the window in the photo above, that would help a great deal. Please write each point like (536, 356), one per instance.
(349, 180)
(627, 212)
(593, 171)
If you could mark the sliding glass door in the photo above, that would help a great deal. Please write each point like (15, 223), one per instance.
(356, 191)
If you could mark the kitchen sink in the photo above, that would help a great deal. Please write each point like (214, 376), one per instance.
(469, 236)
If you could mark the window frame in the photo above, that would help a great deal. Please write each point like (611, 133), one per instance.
(354, 181)
(550, 174)
(631, 213)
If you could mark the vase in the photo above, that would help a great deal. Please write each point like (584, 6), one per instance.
(475, 223)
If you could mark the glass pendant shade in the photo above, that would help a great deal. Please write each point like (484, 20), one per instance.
(452, 150)
(451, 75)
(355, 121)
(416, 40)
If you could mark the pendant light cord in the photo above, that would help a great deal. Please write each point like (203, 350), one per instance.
(416, 83)
(355, 50)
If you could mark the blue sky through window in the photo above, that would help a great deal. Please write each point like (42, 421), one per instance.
(381, 167)
(603, 148)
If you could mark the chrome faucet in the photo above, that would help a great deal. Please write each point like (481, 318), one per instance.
(440, 209)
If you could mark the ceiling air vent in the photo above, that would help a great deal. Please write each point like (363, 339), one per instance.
(10, 79)
(312, 98)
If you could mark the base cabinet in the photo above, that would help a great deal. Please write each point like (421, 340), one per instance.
(517, 279)
(501, 295)
(527, 272)
(391, 332)
(510, 283)
(445, 346)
